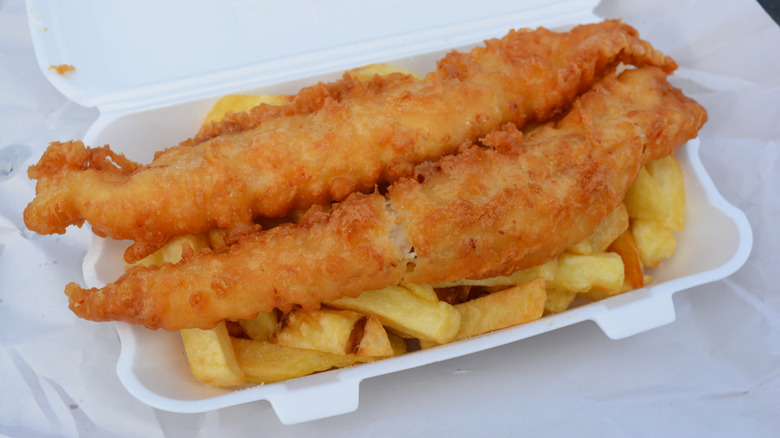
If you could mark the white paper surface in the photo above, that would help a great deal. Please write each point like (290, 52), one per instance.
(715, 371)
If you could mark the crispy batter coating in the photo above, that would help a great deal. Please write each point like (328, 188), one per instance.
(524, 199)
(330, 140)
(325, 256)
(515, 203)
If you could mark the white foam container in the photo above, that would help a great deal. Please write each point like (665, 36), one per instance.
(153, 69)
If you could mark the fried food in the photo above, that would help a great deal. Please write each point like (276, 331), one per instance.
(211, 356)
(447, 312)
(489, 212)
(506, 308)
(486, 211)
(324, 257)
(329, 141)
(413, 311)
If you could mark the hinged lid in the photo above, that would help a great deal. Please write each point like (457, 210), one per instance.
(149, 53)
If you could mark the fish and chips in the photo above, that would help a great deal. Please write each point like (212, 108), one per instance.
(386, 212)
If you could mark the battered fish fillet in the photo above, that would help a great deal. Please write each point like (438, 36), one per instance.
(328, 142)
(486, 211)
(522, 201)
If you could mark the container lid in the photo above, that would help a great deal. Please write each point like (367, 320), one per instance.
(148, 53)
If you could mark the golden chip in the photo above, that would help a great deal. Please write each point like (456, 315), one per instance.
(211, 356)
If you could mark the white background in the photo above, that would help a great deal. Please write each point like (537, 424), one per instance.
(713, 372)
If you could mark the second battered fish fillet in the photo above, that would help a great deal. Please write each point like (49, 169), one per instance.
(489, 211)
(344, 138)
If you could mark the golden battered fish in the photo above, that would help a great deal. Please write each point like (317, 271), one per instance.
(515, 202)
(328, 142)
(521, 201)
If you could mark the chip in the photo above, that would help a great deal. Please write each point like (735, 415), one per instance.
(582, 273)
(625, 246)
(262, 327)
(211, 356)
(410, 314)
(655, 241)
(604, 234)
(659, 194)
(333, 331)
(267, 362)
(506, 308)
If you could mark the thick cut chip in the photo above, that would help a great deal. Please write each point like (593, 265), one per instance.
(398, 343)
(659, 194)
(604, 234)
(669, 176)
(625, 246)
(506, 308)
(211, 356)
(334, 331)
(558, 300)
(406, 312)
(644, 198)
(424, 291)
(260, 328)
(374, 340)
(655, 241)
(266, 362)
(545, 271)
(581, 273)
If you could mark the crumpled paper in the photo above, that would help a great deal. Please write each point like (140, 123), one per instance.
(715, 371)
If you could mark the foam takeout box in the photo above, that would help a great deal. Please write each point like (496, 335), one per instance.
(154, 69)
